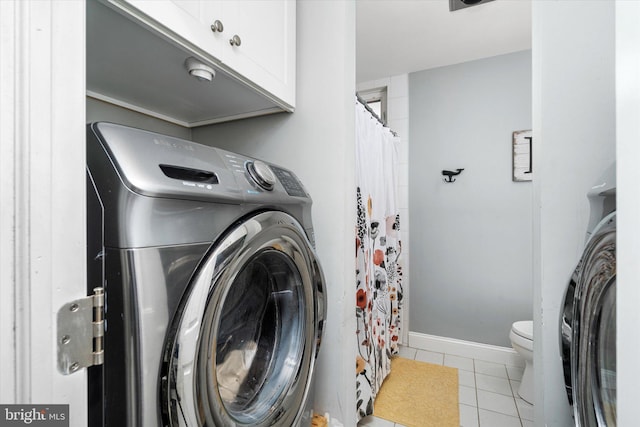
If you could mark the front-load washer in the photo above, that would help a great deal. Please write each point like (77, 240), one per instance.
(588, 317)
(214, 297)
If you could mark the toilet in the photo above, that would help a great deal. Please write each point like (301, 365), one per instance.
(521, 337)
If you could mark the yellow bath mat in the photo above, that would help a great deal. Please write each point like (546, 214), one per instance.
(319, 421)
(418, 394)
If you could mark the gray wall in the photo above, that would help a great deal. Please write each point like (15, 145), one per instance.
(575, 125)
(471, 241)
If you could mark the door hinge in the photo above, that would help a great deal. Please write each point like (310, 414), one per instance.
(81, 333)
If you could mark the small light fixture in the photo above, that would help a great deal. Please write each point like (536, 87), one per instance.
(200, 71)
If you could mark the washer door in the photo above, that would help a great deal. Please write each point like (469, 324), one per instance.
(243, 347)
(588, 331)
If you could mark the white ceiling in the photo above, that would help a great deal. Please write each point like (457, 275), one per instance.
(401, 36)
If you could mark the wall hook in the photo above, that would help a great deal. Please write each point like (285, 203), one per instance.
(450, 175)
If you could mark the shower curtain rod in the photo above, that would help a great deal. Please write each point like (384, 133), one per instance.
(375, 116)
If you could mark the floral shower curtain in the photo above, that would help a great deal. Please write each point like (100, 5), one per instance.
(378, 273)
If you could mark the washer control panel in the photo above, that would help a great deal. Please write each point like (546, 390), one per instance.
(261, 174)
(289, 182)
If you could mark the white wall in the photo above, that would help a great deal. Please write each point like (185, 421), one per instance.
(628, 238)
(318, 143)
(398, 121)
(471, 242)
(574, 134)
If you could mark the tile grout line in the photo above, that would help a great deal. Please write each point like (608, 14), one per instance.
(513, 393)
(475, 386)
(513, 396)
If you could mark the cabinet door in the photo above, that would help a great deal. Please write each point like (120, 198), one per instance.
(267, 34)
(190, 20)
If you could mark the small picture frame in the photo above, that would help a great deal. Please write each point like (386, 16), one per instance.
(522, 155)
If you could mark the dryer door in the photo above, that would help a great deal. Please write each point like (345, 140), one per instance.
(242, 349)
(588, 331)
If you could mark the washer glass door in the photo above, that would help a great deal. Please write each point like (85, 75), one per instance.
(260, 337)
(593, 330)
(604, 362)
(245, 341)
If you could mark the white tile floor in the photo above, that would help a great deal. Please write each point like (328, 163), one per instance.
(487, 392)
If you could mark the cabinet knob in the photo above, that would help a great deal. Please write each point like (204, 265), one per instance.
(217, 26)
(235, 40)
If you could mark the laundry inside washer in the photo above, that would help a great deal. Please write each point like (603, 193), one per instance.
(214, 296)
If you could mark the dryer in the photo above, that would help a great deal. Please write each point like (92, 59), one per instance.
(588, 317)
(214, 296)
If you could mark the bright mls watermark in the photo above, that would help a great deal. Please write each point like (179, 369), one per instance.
(34, 415)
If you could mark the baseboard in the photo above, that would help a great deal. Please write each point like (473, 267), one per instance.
(474, 350)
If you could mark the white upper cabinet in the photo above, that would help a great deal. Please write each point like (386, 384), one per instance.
(266, 31)
(253, 38)
(250, 43)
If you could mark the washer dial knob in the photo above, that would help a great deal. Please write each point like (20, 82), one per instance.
(261, 174)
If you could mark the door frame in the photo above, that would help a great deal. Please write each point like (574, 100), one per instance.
(42, 189)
